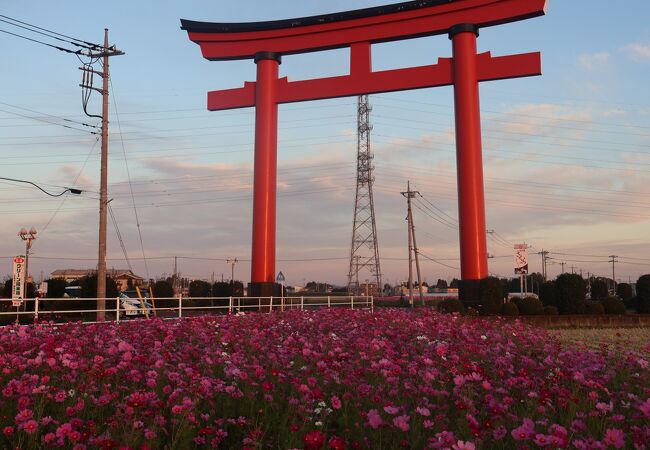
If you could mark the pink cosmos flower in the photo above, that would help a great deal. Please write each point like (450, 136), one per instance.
(423, 411)
(336, 402)
(499, 433)
(614, 437)
(374, 419)
(402, 422)
(525, 431)
(464, 445)
(391, 410)
(314, 440)
(337, 443)
(542, 440)
(8, 431)
(24, 415)
(645, 408)
(60, 396)
(30, 426)
(49, 438)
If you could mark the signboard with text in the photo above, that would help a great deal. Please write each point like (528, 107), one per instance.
(18, 279)
(521, 259)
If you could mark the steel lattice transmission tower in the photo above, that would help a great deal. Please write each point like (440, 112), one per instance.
(364, 251)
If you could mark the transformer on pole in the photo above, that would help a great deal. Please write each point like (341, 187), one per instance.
(364, 251)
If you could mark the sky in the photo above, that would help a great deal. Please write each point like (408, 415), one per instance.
(566, 154)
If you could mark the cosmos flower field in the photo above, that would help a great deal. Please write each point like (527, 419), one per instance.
(330, 379)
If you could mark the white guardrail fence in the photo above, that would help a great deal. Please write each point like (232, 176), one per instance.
(119, 308)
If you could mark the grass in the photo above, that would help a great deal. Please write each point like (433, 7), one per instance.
(595, 338)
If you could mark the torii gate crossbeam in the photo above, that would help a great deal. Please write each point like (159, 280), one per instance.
(266, 42)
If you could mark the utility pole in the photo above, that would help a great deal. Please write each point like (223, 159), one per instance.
(562, 264)
(232, 262)
(409, 194)
(105, 53)
(613, 260)
(544, 254)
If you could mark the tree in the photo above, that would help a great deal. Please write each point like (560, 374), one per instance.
(530, 306)
(238, 288)
(599, 289)
(454, 283)
(163, 289)
(199, 288)
(514, 285)
(643, 294)
(55, 287)
(6, 288)
(221, 289)
(8, 285)
(491, 296)
(624, 291)
(88, 286)
(535, 281)
(570, 291)
(547, 293)
(441, 284)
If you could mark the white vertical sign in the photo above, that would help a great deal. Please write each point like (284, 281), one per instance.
(521, 259)
(17, 293)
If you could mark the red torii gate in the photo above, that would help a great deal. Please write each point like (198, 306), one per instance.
(266, 42)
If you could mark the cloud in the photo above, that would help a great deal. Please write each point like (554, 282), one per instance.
(593, 61)
(638, 52)
(72, 174)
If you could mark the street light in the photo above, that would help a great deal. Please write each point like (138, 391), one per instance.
(28, 237)
(67, 189)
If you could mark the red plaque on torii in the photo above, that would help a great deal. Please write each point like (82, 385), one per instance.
(266, 42)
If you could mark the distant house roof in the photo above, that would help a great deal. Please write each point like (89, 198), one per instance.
(78, 273)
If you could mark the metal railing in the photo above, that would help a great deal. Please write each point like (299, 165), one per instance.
(84, 309)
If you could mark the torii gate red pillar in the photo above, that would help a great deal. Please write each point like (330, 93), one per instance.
(469, 159)
(265, 172)
(358, 30)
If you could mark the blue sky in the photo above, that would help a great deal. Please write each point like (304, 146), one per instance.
(566, 155)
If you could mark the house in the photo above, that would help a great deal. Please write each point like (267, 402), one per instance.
(124, 278)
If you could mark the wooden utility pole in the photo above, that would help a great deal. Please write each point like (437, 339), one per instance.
(409, 194)
(613, 260)
(105, 53)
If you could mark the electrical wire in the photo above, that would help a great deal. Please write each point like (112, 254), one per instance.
(66, 50)
(128, 175)
(453, 227)
(52, 34)
(437, 261)
(119, 238)
(46, 121)
(74, 182)
(67, 189)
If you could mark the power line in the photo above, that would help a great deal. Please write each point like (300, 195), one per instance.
(119, 238)
(66, 190)
(437, 219)
(128, 175)
(452, 219)
(79, 42)
(48, 122)
(66, 50)
(438, 261)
